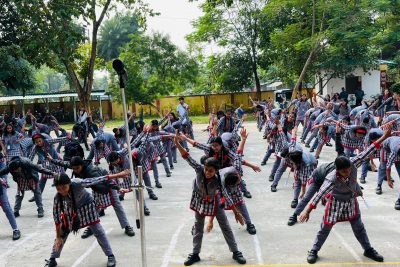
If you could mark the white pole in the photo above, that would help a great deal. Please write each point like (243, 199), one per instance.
(139, 213)
(74, 108)
(100, 108)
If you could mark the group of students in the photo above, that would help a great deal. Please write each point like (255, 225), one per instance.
(219, 185)
(361, 135)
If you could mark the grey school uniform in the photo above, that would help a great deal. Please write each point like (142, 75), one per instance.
(206, 201)
(85, 210)
(342, 203)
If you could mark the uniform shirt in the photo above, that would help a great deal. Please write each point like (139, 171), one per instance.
(301, 108)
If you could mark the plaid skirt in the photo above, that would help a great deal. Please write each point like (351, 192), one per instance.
(13, 153)
(236, 195)
(205, 207)
(88, 215)
(103, 200)
(385, 155)
(52, 167)
(125, 183)
(340, 211)
(26, 185)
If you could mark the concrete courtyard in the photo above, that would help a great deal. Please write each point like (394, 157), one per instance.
(168, 229)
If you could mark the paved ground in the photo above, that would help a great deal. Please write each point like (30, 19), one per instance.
(168, 228)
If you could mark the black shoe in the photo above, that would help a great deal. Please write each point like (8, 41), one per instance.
(158, 185)
(121, 197)
(16, 234)
(328, 144)
(153, 196)
(16, 214)
(87, 233)
(192, 258)
(373, 255)
(159, 161)
(32, 199)
(247, 194)
(312, 150)
(294, 203)
(129, 231)
(378, 190)
(273, 188)
(271, 178)
(263, 163)
(251, 229)
(146, 211)
(171, 167)
(169, 174)
(51, 263)
(362, 180)
(40, 213)
(238, 256)
(111, 261)
(397, 205)
(102, 213)
(187, 149)
(307, 145)
(312, 256)
(174, 161)
(292, 220)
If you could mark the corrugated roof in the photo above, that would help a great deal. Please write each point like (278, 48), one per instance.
(54, 95)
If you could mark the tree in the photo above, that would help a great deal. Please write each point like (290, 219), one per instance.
(156, 67)
(15, 72)
(316, 34)
(114, 34)
(236, 26)
(49, 80)
(53, 33)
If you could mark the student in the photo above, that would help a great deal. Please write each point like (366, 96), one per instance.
(74, 208)
(206, 201)
(5, 205)
(343, 190)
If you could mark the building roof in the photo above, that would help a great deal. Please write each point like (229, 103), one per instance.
(51, 95)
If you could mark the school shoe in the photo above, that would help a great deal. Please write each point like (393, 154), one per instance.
(263, 163)
(174, 161)
(251, 229)
(373, 255)
(32, 199)
(16, 214)
(247, 194)
(312, 150)
(397, 205)
(16, 234)
(294, 203)
(171, 167)
(312, 256)
(238, 256)
(271, 178)
(191, 259)
(158, 185)
(307, 145)
(111, 261)
(153, 196)
(121, 197)
(362, 180)
(87, 233)
(328, 144)
(40, 213)
(129, 231)
(378, 190)
(146, 211)
(51, 263)
(273, 188)
(169, 174)
(292, 220)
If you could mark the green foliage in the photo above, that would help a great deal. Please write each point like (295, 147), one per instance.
(16, 74)
(155, 67)
(115, 33)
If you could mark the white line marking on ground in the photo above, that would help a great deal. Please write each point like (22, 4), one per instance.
(347, 246)
(258, 249)
(18, 244)
(88, 251)
(172, 245)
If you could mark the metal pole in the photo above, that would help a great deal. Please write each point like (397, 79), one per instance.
(100, 108)
(141, 207)
(140, 212)
(23, 107)
(74, 108)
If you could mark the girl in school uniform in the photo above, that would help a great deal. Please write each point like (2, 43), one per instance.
(208, 193)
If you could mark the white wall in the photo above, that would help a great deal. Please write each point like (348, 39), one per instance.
(370, 82)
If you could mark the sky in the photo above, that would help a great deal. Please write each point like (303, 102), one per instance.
(175, 19)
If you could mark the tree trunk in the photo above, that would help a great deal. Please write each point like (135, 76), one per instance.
(255, 73)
